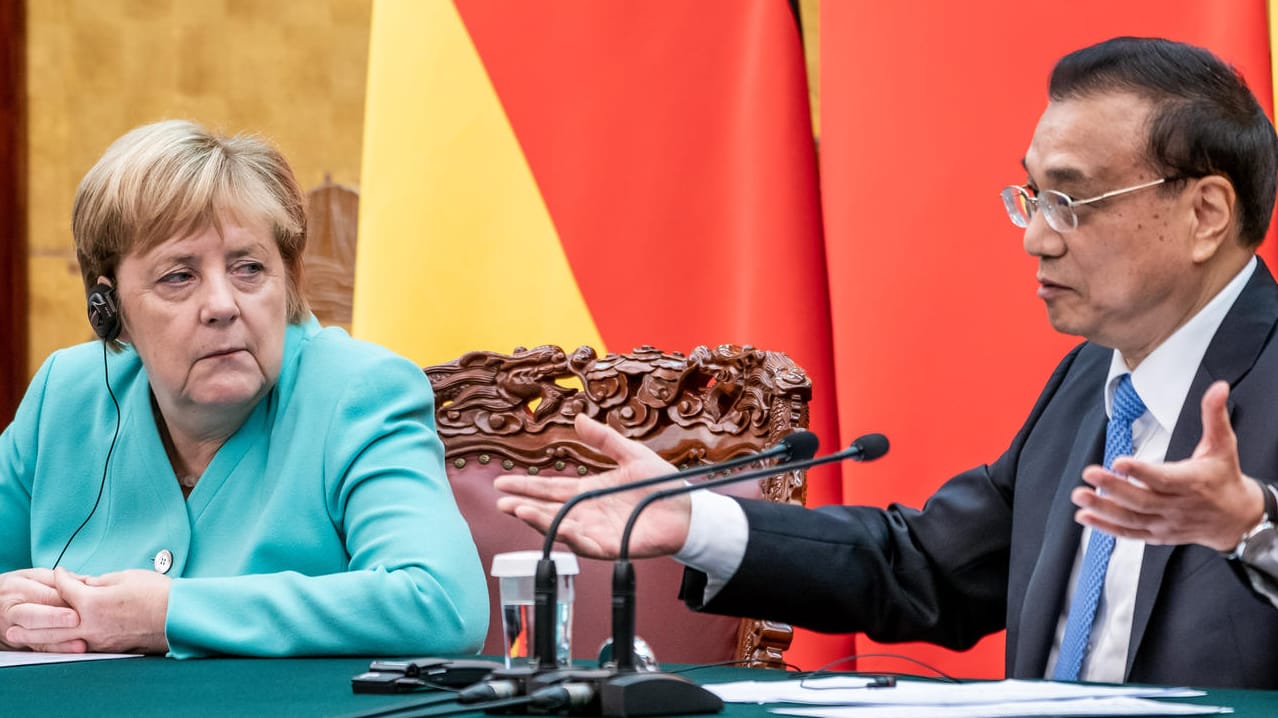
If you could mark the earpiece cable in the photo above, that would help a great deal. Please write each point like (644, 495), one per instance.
(102, 484)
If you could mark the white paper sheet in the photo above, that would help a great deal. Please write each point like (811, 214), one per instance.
(1122, 706)
(851, 690)
(31, 658)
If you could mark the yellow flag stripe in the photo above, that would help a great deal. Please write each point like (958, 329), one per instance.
(456, 251)
(1272, 7)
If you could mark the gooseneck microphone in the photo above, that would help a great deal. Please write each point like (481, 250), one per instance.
(865, 448)
(581, 692)
(797, 446)
(607, 692)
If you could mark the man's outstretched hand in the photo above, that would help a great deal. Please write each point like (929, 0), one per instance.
(593, 528)
(1204, 499)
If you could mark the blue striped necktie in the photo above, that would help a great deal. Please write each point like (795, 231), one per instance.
(1091, 577)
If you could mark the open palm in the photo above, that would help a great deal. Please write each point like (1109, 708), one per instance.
(593, 528)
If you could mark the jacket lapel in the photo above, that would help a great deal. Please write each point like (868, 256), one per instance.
(1234, 349)
(1045, 594)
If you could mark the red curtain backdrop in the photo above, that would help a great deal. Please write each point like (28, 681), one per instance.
(926, 111)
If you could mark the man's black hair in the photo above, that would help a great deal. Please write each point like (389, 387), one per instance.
(1205, 120)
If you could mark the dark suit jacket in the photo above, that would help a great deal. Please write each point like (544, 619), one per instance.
(993, 548)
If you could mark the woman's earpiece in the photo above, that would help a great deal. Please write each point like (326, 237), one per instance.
(104, 312)
(104, 315)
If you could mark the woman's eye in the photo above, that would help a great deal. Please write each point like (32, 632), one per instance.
(175, 277)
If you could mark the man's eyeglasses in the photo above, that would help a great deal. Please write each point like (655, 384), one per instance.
(1058, 208)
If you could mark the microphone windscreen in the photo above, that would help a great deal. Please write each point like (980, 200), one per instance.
(803, 446)
(872, 446)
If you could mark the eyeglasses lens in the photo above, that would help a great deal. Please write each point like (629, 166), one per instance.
(1020, 208)
(1058, 210)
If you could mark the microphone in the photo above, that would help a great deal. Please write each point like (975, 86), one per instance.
(605, 692)
(797, 446)
(865, 448)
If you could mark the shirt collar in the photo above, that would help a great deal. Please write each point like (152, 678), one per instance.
(1162, 380)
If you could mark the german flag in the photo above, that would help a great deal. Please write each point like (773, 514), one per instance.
(611, 174)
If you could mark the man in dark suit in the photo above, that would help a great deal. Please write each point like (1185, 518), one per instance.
(1151, 181)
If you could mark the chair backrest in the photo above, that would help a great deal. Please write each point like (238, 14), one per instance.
(329, 280)
(511, 413)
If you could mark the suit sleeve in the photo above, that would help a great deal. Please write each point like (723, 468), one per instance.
(896, 574)
(414, 584)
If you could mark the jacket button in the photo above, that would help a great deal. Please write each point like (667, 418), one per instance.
(163, 561)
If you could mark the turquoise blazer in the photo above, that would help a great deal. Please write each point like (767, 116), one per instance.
(324, 525)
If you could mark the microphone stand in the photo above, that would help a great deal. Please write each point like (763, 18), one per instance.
(546, 579)
(631, 693)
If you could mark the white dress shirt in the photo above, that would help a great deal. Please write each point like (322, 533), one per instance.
(719, 531)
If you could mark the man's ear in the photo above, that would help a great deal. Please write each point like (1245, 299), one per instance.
(1215, 204)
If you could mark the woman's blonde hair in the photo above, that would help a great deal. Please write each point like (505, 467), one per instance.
(173, 178)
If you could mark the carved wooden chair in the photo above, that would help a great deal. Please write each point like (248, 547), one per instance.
(500, 413)
(329, 281)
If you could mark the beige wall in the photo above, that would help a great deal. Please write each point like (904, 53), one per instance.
(292, 70)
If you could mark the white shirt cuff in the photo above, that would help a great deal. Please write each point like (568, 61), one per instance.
(716, 542)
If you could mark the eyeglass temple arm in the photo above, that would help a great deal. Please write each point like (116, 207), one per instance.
(1125, 190)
